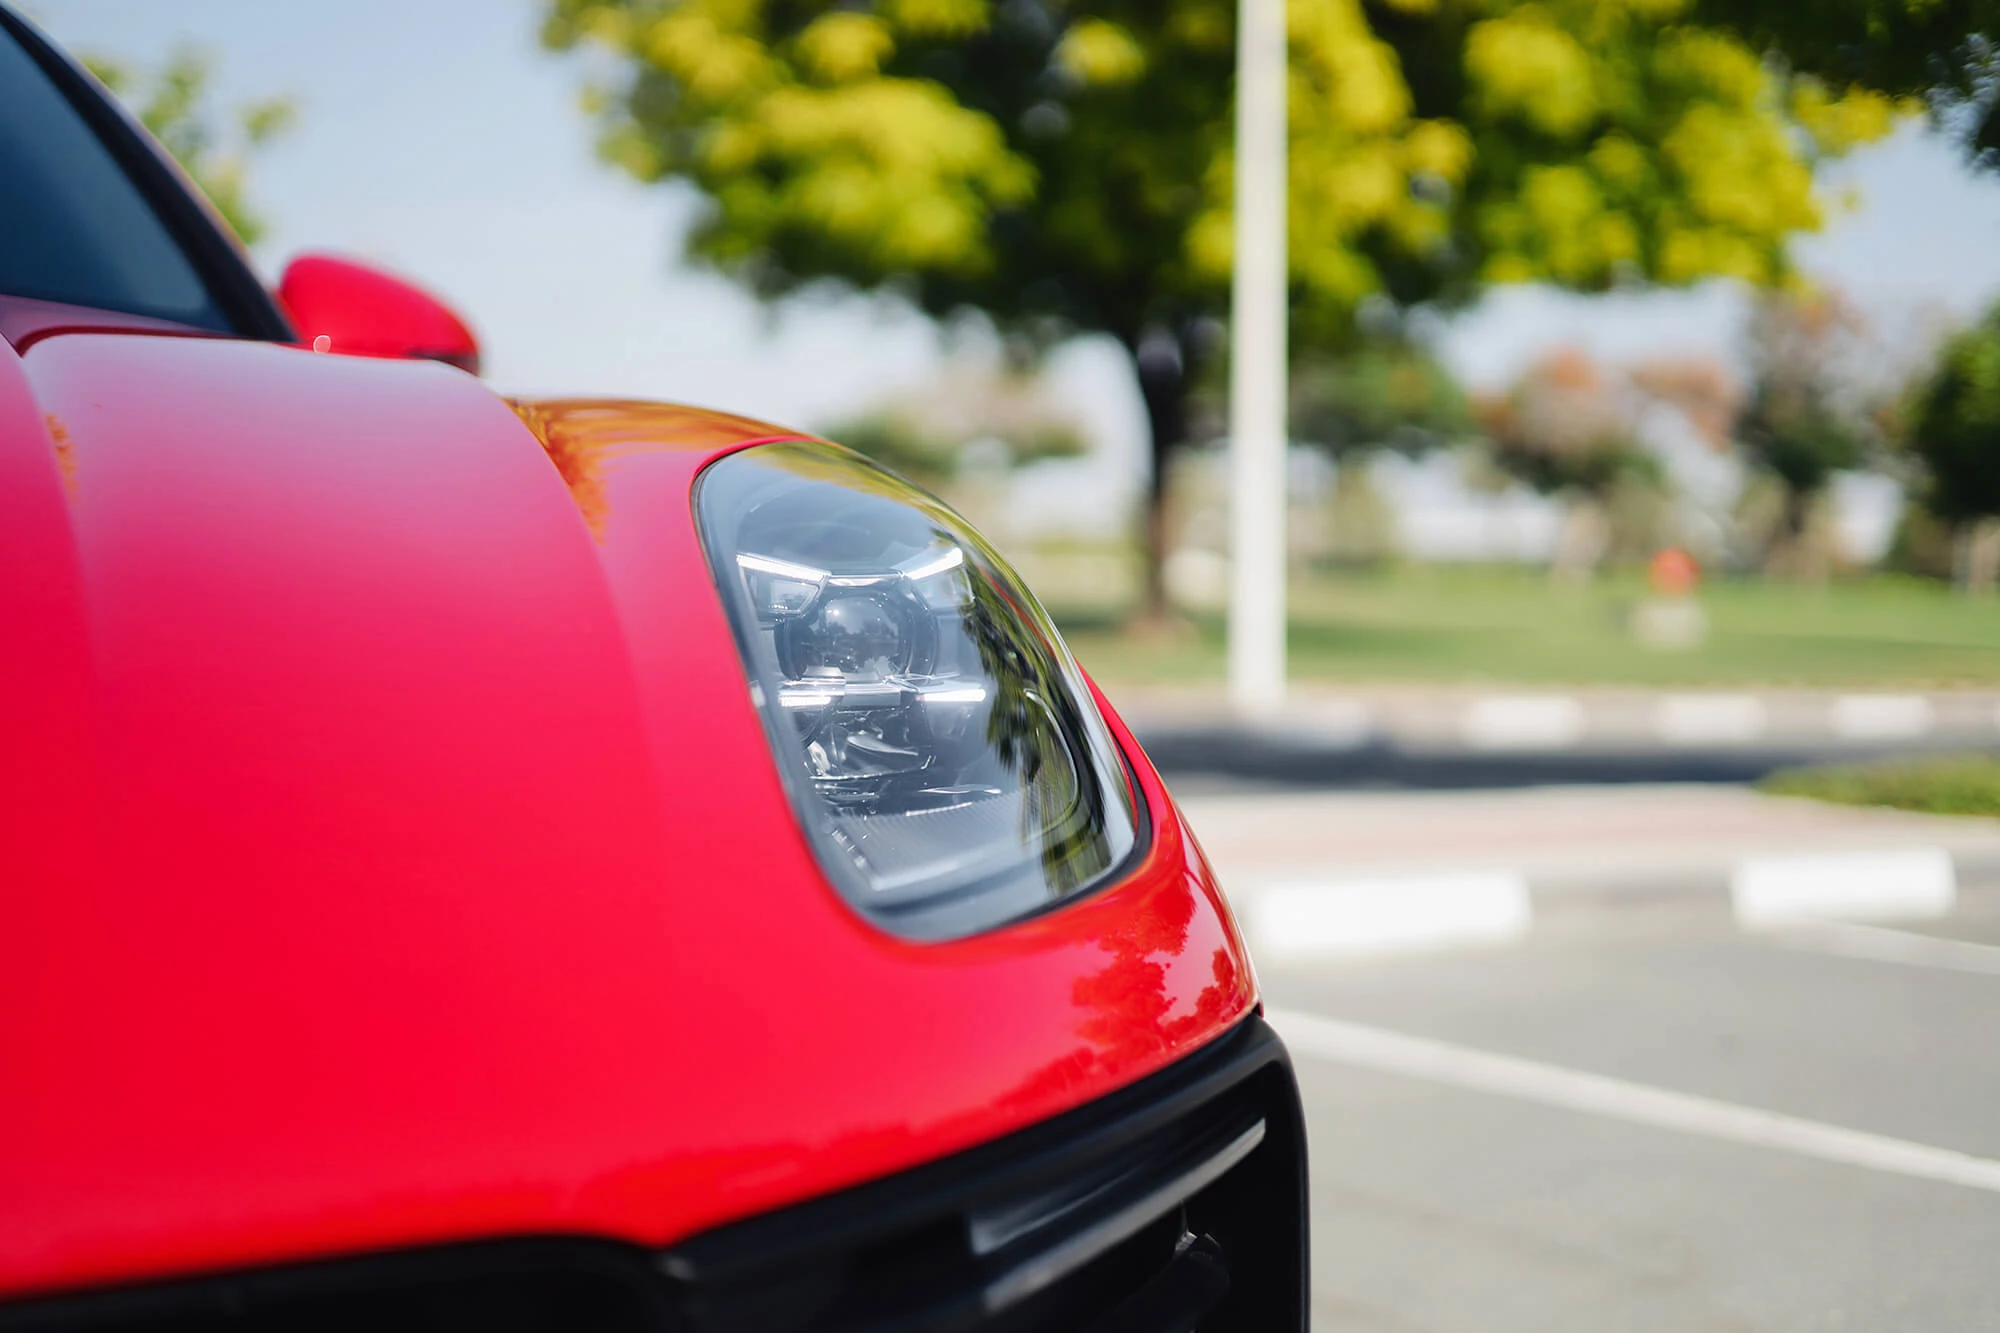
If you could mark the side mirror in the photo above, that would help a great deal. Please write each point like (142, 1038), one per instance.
(340, 305)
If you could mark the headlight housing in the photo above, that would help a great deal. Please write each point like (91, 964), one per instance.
(941, 747)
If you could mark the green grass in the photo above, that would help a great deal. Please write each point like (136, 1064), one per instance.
(1459, 624)
(1940, 785)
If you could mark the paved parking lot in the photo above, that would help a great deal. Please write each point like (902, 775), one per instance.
(1655, 1119)
(1439, 1206)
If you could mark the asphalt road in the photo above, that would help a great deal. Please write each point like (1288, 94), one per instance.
(1453, 1191)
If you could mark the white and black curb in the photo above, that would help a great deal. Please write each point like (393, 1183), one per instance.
(1524, 722)
(1299, 919)
(1565, 722)
(1711, 719)
(1558, 723)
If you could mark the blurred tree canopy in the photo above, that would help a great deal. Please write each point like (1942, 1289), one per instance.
(1804, 417)
(1954, 431)
(213, 147)
(1064, 166)
(1944, 52)
(1392, 395)
(1374, 394)
(1700, 389)
(1002, 412)
(1569, 428)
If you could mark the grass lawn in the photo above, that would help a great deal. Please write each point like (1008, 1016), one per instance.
(1473, 624)
(1940, 785)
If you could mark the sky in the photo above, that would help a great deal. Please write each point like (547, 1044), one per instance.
(437, 137)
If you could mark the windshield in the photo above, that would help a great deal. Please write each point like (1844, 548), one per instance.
(73, 226)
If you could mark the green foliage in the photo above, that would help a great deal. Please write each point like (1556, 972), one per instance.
(1803, 419)
(1066, 166)
(1940, 51)
(898, 444)
(902, 442)
(1955, 426)
(1404, 623)
(1371, 394)
(1613, 141)
(1941, 785)
(1393, 396)
(929, 436)
(213, 147)
(1921, 546)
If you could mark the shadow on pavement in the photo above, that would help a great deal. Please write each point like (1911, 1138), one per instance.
(1251, 756)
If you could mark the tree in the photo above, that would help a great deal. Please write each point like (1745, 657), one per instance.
(1955, 433)
(1378, 394)
(1806, 416)
(1699, 388)
(1568, 428)
(925, 436)
(1944, 53)
(1382, 395)
(1064, 165)
(213, 148)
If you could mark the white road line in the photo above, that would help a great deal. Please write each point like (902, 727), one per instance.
(1525, 722)
(1887, 883)
(1880, 716)
(1615, 1099)
(1844, 939)
(1401, 913)
(1710, 719)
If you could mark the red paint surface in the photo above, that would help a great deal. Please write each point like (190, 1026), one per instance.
(362, 311)
(395, 856)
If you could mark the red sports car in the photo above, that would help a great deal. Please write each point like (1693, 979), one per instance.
(561, 865)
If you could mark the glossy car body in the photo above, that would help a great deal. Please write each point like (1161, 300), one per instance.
(395, 856)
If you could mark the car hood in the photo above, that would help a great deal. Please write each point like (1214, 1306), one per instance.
(397, 855)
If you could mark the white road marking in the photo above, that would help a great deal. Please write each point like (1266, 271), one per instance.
(1880, 716)
(1616, 1099)
(1524, 722)
(1710, 719)
(1392, 914)
(1898, 882)
(1844, 939)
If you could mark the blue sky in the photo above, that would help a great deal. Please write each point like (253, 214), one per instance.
(436, 136)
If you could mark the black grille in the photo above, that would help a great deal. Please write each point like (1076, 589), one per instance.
(1174, 1205)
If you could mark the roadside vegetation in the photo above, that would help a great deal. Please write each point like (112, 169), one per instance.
(1489, 624)
(214, 145)
(1065, 169)
(1965, 784)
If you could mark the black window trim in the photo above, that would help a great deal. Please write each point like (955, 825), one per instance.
(234, 287)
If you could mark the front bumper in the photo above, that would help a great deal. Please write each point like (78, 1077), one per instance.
(1176, 1204)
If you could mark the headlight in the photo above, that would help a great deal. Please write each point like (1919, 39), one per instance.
(942, 749)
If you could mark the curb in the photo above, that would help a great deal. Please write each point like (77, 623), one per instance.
(1602, 736)
(1236, 753)
(1298, 920)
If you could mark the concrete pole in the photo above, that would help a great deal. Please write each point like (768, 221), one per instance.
(1257, 366)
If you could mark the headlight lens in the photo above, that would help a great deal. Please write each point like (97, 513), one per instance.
(941, 746)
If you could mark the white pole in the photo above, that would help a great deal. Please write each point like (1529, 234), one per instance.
(1257, 365)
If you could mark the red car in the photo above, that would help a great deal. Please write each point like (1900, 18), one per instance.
(563, 865)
